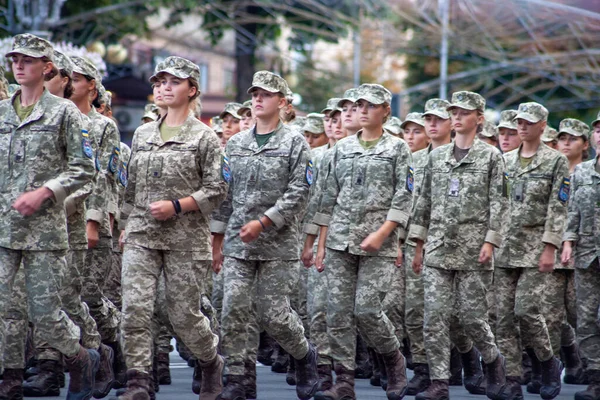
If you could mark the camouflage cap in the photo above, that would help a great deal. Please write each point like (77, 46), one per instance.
(532, 112)
(85, 67)
(350, 95)
(574, 127)
(413, 117)
(270, 82)
(32, 46)
(289, 96)
(63, 62)
(507, 119)
(151, 111)
(331, 104)
(437, 107)
(101, 92)
(297, 122)
(314, 123)
(467, 101)
(393, 125)
(489, 130)
(550, 134)
(373, 93)
(216, 123)
(108, 98)
(233, 109)
(596, 120)
(177, 66)
(247, 105)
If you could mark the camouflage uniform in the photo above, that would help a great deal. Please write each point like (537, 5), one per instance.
(538, 211)
(583, 230)
(456, 217)
(561, 308)
(47, 149)
(270, 181)
(364, 189)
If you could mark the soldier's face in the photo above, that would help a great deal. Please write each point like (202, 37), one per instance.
(82, 88)
(158, 97)
(266, 104)
(231, 126)
(596, 136)
(29, 71)
(509, 139)
(176, 92)
(326, 123)
(437, 128)
(572, 146)
(350, 116)
(530, 131)
(57, 85)
(465, 121)
(371, 115)
(415, 137)
(315, 140)
(337, 128)
(247, 121)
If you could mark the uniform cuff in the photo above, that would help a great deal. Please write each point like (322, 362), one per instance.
(570, 237)
(322, 219)
(275, 217)
(402, 234)
(112, 207)
(417, 232)
(203, 203)
(494, 238)
(552, 238)
(126, 210)
(57, 189)
(70, 206)
(311, 229)
(217, 226)
(398, 216)
(122, 224)
(94, 215)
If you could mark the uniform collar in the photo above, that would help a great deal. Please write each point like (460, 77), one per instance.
(183, 136)
(469, 158)
(36, 114)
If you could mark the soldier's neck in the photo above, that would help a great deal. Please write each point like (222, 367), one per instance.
(530, 147)
(437, 143)
(465, 140)
(574, 163)
(31, 94)
(264, 126)
(84, 106)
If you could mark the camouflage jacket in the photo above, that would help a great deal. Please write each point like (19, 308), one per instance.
(188, 164)
(583, 222)
(103, 200)
(364, 189)
(420, 159)
(537, 211)
(121, 185)
(316, 189)
(460, 206)
(47, 149)
(273, 181)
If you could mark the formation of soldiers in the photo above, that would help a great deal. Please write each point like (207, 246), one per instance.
(343, 245)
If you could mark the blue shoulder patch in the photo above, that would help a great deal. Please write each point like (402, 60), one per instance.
(309, 172)
(565, 190)
(123, 174)
(86, 144)
(226, 169)
(410, 179)
(113, 162)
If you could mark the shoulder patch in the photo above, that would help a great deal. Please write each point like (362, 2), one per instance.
(113, 162)
(123, 174)
(226, 169)
(410, 179)
(97, 164)
(86, 144)
(565, 190)
(309, 172)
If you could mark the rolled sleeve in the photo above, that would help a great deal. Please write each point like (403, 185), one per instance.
(70, 206)
(217, 227)
(311, 229)
(203, 202)
(94, 215)
(275, 216)
(552, 238)
(60, 194)
(322, 219)
(570, 237)
(494, 238)
(398, 216)
(417, 232)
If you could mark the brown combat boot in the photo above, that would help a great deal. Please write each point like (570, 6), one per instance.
(343, 388)
(138, 386)
(473, 379)
(11, 387)
(307, 377)
(438, 390)
(250, 379)
(212, 378)
(234, 390)
(105, 376)
(512, 390)
(593, 390)
(420, 380)
(325, 377)
(82, 370)
(395, 367)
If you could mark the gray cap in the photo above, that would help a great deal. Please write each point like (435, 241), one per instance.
(331, 104)
(393, 125)
(314, 123)
(489, 130)
(507, 119)
(177, 66)
(85, 67)
(596, 120)
(373, 93)
(413, 117)
(574, 127)
(216, 124)
(63, 62)
(467, 101)
(233, 109)
(270, 82)
(437, 107)
(247, 105)
(532, 112)
(151, 111)
(32, 46)
(289, 96)
(550, 134)
(350, 95)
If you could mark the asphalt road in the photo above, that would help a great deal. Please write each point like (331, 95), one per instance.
(272, 386)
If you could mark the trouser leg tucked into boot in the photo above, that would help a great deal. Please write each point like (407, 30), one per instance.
(343, 388)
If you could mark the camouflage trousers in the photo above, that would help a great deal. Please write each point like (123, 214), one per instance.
(43, 275)
(217, 293)
(394, 301)
(298, 300)
(587, 283)
(560, 308)
(268, 285)
(112, 284)
(317, 288)
(357, 288)
(162, 330)
(455, 301)
(520, 296)
(93, 276)
(142, 268)
(414, 308)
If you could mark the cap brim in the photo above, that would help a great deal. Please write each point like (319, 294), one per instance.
(152, 116)
(440, 114)
(595, 122)
(313, 131)
(548, 139)
(372, 99)
(464, 106)
(507, 126)
(570, 131)
(528, 117)
(340, 103)
(390, 131)
(335, 110)
(26, 52)
(325, 111)
(224, 113)
(407, 121)
(263, 87)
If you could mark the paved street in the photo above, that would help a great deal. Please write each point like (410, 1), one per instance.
(272, 386)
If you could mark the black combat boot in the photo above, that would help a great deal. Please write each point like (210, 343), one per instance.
(46, 382)
(420, 380)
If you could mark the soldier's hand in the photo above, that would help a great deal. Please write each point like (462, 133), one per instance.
(122, 239)
(217, 261)
(400, 258)
(307, 256)
(373, 242)
(567, 253)
(29, 202)
(92, 230)
(162, 210)
(319, 265)
(547, 259)
(486, 253)
(251, 231)
(417, 264)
